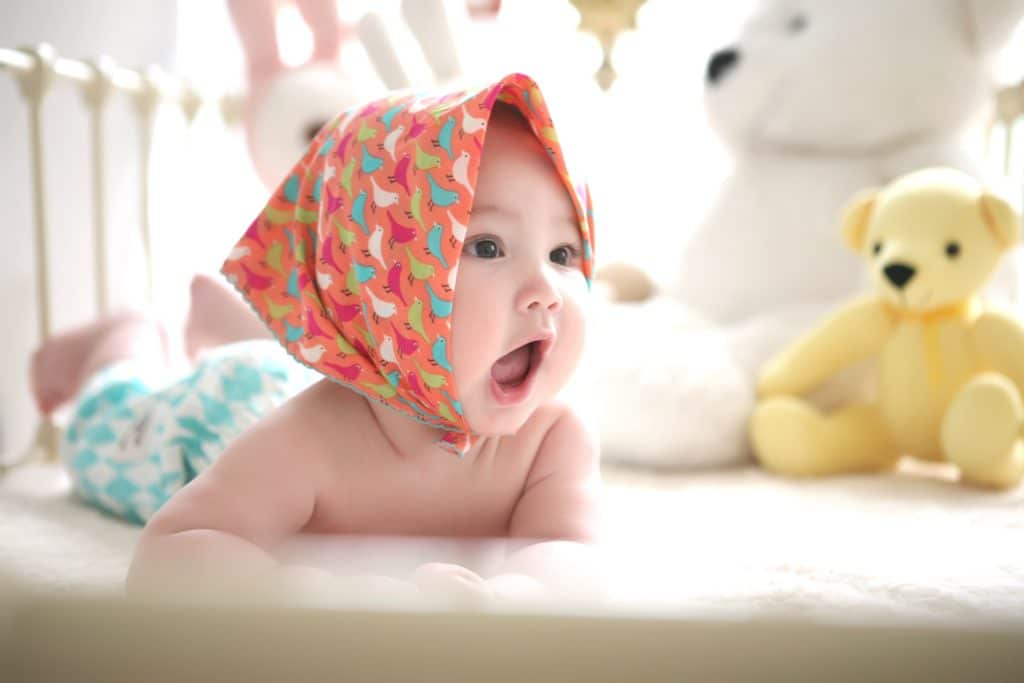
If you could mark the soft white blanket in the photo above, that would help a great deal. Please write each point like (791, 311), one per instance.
(912, 544)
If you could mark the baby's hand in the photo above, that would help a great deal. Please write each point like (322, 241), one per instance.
(462, 586)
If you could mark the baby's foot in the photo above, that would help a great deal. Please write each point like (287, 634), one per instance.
(218, 316)
(63, 362)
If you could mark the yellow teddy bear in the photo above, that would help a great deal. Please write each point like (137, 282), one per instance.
(950, 372)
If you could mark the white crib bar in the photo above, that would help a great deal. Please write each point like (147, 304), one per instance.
(35, 69)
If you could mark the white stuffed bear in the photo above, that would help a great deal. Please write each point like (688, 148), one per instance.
(816, 101)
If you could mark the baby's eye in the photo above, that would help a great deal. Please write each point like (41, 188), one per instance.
(953, 250)
(876, 249)
(484, 248)
(563, 255)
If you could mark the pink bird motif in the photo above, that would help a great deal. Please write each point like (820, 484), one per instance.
(313, 329)
(344, 313)
(342, 146)
(258, 282)
(488, 102)
(405, 345)
(369, 110)
(349, 372)
(401, 174)
(414, 382)
(253, 231)
(394, 285)
(399, 232)
(416, 129)
(327, 254)
(334, 203)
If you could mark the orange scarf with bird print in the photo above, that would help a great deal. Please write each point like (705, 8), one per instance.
(353, 263)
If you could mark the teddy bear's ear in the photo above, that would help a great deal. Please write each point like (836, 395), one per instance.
(1000, 218)
(855, 219)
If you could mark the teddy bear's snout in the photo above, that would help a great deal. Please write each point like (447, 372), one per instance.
(899, 274)
(721, 63)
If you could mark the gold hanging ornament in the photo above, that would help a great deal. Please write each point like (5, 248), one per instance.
(606, 19)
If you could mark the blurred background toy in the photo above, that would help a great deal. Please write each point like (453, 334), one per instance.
(814, 103)
(950, 367)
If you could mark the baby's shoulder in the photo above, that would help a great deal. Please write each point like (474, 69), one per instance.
(560, 437)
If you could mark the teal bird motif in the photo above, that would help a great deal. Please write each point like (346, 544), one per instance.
(359, 211)
(455, 404)
(439, 353)
(326, 147)
(293, 334)
(388, 116)
(440, 196)
(370, 163)
(364, 273)
(439, 308)
(393, 378)
(434, 244)
(293, 284)
(291, 189)
(444, 139)
(317, 187)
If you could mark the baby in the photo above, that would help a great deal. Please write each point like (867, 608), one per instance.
(439, 342)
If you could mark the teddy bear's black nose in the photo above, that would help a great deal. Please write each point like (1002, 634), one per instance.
(899, 274)
(720, 63)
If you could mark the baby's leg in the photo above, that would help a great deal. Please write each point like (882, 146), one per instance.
(63, 363)
(982, 430)
(218, 316)
(790, 436)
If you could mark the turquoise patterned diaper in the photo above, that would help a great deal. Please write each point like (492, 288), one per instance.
(136, 439)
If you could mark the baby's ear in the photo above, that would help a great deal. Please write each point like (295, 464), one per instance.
(1001, 219)
(855, 219)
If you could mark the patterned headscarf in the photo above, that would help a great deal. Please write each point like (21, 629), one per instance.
(353, 262)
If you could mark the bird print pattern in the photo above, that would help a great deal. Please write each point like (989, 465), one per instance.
(352, 263)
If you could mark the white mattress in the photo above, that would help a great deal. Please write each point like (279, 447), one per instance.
(741, 542)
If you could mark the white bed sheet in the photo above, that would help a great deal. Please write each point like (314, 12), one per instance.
(740, 543)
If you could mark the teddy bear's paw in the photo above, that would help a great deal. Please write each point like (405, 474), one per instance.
(786, 435)
(791, 436)
(981, 432)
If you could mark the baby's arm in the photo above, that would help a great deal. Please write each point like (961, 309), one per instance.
(851, 333)
(559, 513)
(217, 530)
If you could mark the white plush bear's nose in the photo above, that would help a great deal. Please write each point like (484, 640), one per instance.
(899, 274)
(720, 63)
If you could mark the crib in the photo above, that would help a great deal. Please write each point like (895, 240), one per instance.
(778, 617)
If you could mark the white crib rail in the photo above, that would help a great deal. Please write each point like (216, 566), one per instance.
(36, 69)
(1007, 114)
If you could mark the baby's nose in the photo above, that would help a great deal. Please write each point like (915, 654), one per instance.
(899, 274)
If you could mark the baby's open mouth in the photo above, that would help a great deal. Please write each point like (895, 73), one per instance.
(512, 369)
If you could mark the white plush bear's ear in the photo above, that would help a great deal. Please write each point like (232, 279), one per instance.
(855, 219)
(990, 23)
(1001, 219)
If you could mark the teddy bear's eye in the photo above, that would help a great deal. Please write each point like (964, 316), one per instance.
(876, 249)
(796, 24)
(953, 250)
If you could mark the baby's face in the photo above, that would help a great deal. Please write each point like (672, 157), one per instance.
(518, 318)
